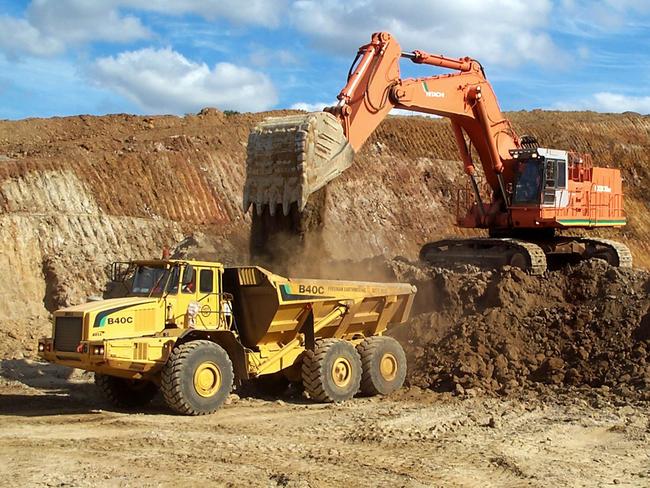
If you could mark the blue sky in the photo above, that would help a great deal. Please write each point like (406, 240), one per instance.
(65, 57)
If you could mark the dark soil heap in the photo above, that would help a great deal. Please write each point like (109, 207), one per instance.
(587, 325)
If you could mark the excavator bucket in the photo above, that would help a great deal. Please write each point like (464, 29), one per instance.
(289, 158)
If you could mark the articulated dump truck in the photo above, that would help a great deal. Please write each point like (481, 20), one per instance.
(194, 329)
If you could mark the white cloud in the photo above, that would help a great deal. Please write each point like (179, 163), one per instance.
(615, 102)
(609, 102)
(311, 107)
(258, 12)
(506, 32)
(77, 21)
(51, 26)
(587, 18)
(17, 36)
(164, 81)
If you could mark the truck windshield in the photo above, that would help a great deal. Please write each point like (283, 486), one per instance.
(151, 281)
(529, 182)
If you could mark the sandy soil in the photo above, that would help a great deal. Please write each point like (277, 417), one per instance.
(54, 431)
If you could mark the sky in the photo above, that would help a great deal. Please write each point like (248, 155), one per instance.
(67, 57)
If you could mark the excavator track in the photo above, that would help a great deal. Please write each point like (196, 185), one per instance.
(623, 256)
(489, 251)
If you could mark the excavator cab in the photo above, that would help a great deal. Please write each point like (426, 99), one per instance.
(541, 178)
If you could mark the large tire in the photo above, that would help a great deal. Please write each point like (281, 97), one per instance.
(125, 393)
(332, 371)
(384, 365)
(197, 378)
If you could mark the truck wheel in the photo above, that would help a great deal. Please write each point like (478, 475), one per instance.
(384, 365)
(197, 378)
(332, 371)
(125, 393)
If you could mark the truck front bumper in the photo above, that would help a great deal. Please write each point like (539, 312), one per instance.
(128, 358)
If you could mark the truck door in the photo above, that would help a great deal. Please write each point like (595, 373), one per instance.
(207, 298)
(198, 304)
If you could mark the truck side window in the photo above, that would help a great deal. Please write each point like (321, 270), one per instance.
(189, 280)
(206, 280)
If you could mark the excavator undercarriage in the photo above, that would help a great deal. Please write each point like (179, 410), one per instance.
(534, 257)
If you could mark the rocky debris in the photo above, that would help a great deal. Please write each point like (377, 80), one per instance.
(501, 332)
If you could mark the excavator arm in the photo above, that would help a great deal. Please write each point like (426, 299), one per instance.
(291, 157)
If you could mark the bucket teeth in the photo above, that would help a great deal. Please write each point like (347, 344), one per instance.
(289, 158)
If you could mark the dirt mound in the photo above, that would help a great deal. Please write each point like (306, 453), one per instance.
(587, 325)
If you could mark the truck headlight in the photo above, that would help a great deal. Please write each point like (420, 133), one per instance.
(41, 347)
(98, 350)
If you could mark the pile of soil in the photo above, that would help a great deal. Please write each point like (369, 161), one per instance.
(586, 325)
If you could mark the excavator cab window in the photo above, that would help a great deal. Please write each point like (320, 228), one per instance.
(530, 176)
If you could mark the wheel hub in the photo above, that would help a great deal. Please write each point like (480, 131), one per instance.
(388, 367)
(341, 372)
(207, 379)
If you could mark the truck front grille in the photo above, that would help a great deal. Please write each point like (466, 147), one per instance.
(67, 333)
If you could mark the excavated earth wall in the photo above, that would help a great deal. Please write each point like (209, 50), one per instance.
(77, 193)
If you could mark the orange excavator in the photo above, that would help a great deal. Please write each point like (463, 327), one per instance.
(534, 192)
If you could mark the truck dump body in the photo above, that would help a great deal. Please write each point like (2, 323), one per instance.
(270, 309)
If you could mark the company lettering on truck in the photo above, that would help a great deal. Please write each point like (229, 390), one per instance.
(119, 320)
(313, 289)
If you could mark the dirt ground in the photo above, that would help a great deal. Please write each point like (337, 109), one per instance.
(55, 431)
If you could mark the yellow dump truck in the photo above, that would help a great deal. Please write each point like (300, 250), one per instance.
(193, 329)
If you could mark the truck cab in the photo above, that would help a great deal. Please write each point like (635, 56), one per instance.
(162, 298)
(190, 290)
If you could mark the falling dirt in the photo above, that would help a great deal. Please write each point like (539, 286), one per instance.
(284, 242)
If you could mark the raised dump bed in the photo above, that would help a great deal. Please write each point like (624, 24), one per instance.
(193, 329)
